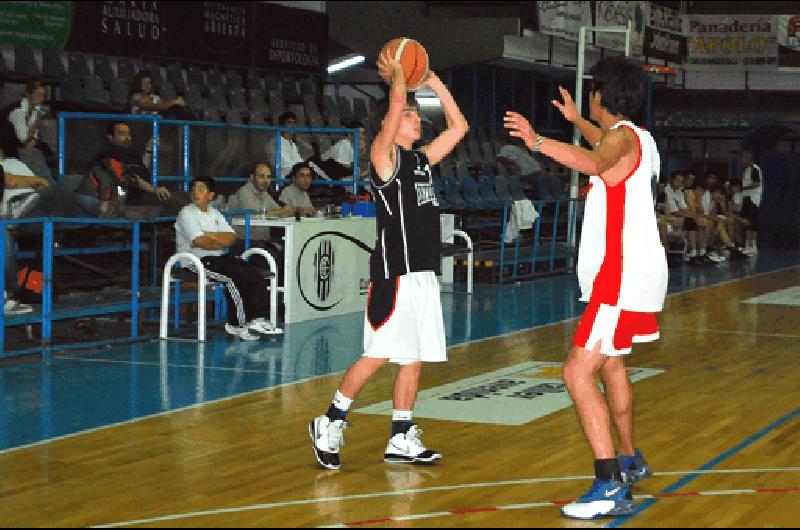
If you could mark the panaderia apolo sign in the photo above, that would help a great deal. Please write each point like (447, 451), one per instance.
(731, 41)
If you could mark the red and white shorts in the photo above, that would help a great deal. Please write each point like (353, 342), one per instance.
(403, 321)
(615, 329)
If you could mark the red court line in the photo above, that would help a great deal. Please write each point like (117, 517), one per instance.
(467, 511)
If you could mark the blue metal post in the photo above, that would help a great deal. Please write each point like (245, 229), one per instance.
(503, 240)
(156, 149)
(186, 140)
(61, 146)
(247, 230)
(135, 281)
(516, 255)
(356, 174)
(555, 235)
(536, 234)
(47, 291)
(3, 236)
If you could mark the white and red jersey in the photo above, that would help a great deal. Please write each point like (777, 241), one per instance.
(621, 261)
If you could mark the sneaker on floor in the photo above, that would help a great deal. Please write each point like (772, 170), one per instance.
(606, 498)
(715, 257)
(15, 307)
(634, 468)
(242, 333)
(409, 449)
(327, 437)
(264, 326)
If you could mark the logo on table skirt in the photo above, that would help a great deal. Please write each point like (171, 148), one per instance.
(322, 284)
(323, 265)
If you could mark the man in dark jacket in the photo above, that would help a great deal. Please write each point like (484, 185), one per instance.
(119, 171)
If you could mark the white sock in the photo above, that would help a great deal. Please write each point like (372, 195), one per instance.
(401, 415)
(692, 253)
(703, 251)
(342, 402)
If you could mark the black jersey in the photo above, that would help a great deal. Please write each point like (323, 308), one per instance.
(409, 234)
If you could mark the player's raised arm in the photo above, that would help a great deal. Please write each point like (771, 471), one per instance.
(382, 152)
(457, 126)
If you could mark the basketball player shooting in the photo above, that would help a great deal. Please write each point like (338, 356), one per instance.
(403, 322)
(622, 271)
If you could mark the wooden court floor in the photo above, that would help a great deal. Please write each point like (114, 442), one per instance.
(720, 426)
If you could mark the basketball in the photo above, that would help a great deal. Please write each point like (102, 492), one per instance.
(412, 57)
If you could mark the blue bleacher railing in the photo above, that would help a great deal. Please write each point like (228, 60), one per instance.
(47, 314)
(158, 122)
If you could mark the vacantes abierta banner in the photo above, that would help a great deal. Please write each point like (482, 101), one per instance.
(731, 41)
(38, 24)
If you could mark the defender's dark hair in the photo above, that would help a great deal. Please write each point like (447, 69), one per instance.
(621, 83)
(355, 124)
(208, 181)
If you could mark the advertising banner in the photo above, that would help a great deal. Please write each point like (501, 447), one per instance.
(38, 24)
(731, 41)
(564, 19)
(617, 13)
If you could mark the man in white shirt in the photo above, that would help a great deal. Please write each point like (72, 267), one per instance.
(752, 185)
(202, 230)
(676, 206)
(25, 118)
(290, 155)
(296, 194)
(343, 155)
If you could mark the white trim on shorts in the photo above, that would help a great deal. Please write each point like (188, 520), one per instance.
(414, 332)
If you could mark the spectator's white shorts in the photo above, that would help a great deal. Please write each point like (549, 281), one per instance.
(403, 321)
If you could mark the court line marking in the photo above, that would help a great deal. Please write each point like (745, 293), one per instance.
(474, 341)
(189, 366)
(544, 504)
(394, 493)
(152, 416)
(709, 465)
(736, 332)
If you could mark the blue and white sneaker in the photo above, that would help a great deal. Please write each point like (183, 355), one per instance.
(634, 468)
(606, 498)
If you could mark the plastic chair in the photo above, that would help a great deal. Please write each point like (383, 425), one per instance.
(170, 279)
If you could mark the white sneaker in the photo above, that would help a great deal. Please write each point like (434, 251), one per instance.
(15, 307)
(750, 251)
(264, 326)
(242, 333)
(327, 437)
(409, 449)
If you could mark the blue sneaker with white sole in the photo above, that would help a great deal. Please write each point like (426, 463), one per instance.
(606, 498)
(634, 468)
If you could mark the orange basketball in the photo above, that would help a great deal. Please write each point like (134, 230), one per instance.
(412, 57)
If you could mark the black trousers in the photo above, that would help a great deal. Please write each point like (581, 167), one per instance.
(245, 287)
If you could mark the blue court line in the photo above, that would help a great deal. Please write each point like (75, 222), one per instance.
(713, 463)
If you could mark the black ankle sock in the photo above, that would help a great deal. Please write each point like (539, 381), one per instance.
(607, 469)
(401, 427)
(334, 414)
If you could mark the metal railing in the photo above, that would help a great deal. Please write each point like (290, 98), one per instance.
(158, 122)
